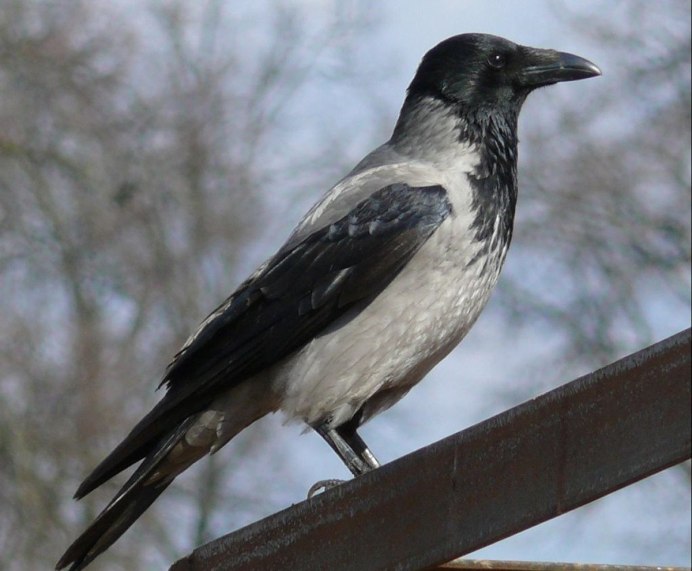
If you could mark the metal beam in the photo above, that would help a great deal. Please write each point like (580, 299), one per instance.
(534, 462)
(490, 565)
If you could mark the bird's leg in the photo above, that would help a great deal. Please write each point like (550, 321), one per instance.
(350, 447)
(347, 433)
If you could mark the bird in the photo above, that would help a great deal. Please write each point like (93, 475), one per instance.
(378, 282)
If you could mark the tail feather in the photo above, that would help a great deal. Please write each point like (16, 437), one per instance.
(138, 493)
(111, 523)
(144, 438)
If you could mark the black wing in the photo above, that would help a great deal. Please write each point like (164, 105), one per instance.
(301, 290)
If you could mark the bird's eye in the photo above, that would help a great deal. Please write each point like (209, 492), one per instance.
(497, 60)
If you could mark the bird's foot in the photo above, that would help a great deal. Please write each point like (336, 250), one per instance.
(322, 486)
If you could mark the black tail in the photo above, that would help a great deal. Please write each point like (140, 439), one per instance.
(144, 440)
(111, 523)
(138, 493)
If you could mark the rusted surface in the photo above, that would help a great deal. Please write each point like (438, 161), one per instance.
(542, 458)
(490, 565)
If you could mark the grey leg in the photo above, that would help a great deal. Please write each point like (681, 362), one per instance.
(347, 433)
(352, 450)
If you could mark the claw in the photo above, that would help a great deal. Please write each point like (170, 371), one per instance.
(322, 486)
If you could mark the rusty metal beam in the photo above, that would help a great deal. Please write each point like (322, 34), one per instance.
(534, 462)
(490, 565)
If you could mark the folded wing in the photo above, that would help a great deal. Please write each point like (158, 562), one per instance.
(290, 300)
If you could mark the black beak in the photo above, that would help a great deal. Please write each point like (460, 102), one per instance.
(545, 67)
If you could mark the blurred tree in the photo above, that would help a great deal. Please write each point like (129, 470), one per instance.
(135, 147)
(602, 248)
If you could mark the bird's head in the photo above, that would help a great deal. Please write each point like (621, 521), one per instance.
(484, 71)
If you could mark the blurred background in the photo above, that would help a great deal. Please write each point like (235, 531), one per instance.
(153, 153)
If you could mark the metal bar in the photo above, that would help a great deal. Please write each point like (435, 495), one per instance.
(534, 462)
(490, 565)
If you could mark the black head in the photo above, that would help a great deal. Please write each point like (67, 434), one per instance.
(480, 70)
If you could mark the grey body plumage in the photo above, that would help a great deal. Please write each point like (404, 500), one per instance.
(378, 282)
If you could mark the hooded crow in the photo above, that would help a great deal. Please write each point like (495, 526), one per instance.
(377, 283)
